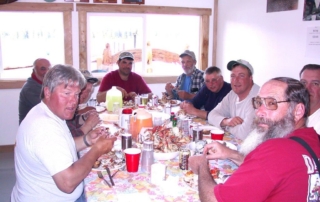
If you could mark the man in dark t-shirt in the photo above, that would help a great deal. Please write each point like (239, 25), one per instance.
(210, 94)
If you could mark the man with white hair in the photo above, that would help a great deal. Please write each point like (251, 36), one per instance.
(188, 83)
(275, 167)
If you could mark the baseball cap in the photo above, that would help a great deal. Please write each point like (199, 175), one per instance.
(190, 53)
(88, 76)
(244, 63)
(126, 55)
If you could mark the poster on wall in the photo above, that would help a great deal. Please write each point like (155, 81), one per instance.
(313, 42)
(281, 5)
(311, 10)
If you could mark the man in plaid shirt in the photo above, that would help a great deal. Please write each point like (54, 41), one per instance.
(188, 83)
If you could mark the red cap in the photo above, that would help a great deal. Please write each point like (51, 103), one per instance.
(127, 111)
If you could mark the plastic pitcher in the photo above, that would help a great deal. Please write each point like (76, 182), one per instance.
(141, 119)
(113, 95)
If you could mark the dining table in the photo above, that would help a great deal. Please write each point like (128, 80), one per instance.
(137, 186)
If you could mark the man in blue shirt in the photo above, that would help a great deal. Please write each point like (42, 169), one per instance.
(210, 94)
(188, 83)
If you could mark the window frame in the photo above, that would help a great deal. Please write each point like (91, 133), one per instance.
(203, 13)
(65, 8)
(82, 9)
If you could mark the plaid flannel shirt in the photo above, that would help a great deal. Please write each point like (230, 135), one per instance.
(197, 81)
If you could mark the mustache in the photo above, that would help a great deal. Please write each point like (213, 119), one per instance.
(261, 120)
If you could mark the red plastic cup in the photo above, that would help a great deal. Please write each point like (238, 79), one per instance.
(217, 134)
(132, 159)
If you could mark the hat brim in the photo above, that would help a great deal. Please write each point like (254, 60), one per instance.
(92, 80)
(232, 63)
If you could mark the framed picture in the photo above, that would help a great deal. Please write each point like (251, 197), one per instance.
(104, 1)
(133, 1)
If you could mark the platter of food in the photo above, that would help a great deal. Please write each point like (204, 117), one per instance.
(110, 160)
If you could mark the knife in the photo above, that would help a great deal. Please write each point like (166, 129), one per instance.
(109, 174)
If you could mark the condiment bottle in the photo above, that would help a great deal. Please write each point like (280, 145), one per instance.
(147, 158)
(172, 116)
(113, 95)
(125, 118)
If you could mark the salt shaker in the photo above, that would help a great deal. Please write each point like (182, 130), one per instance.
(147, 156)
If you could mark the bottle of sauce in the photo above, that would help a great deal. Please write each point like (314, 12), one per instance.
(113, 95)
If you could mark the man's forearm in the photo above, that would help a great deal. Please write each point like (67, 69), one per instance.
(206, 184)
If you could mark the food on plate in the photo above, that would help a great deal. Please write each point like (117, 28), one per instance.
(191, 179)
(215, 173)
(111, 160)
(96, 164)
(165, 139)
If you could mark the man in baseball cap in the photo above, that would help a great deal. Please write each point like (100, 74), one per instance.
(235, 112)
(188, 83)
(128, 82)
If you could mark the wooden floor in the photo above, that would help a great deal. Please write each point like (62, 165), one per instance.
(7, 175)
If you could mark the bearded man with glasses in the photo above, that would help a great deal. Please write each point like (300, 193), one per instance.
(273, 166)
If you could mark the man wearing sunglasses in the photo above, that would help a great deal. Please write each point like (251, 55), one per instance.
(210, 94)
(275, 168)
(310, 78)
(235, 112)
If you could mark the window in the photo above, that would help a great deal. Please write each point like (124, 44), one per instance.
(156, 45)
(27, 36)
(148, 14)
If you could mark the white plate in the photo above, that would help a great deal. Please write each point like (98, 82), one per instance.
(112, 118)
(100, 109)
(176, 103)
(165, 156)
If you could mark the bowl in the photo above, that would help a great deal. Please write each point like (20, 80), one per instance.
(165, 156)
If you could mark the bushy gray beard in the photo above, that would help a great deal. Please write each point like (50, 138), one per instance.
(275, 129)
(190, 70)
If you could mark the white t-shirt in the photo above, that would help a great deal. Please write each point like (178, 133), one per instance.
(314, 121)
(44, 147)
(231, 107)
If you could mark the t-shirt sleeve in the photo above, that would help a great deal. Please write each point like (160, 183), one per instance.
(143, 87)
(52, 150)
(106, 83)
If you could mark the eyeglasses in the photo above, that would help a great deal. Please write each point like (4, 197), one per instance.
(212, 80)
(268, 102)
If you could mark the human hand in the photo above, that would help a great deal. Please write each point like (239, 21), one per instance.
(188, 108)
(104, 143)
(123, 91)
(93, 136)
(216, 150)
(184, 95)
(234, 121)
(169, 87)
(132, 95)
(195, 162)
(91, 118)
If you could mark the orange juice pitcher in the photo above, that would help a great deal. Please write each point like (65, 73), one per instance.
(141, 119)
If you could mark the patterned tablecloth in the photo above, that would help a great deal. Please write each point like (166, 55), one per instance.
(137, 187)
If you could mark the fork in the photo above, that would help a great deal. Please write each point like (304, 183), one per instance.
(101, 177)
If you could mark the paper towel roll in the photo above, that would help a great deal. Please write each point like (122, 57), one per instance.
(158, 173)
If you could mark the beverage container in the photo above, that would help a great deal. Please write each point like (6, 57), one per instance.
(116, 107)
(158, 173)
(147, 156)
(167, 108)
(197, 134)
(125, 118)
(113, 95)
(132, 159)
(184, 155)
(137, 100)
(217, 134)
(126, 141)
(144, 99)
(184, 124)
(141, 119)
(155, 100)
